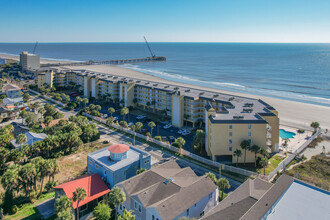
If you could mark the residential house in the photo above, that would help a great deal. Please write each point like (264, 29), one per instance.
(95, 188)
(31, 138)
(19, 128)
(168, 191)
(12, 91)
(117, 162)
(288, 198)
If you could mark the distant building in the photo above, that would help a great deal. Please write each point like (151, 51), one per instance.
(288, 198)
(167, 192)
(3, 61)
(31, 138)
(117, 162)
(12, 91)
(46, 77)
(29, 61)
(95, 192)
(6, 113)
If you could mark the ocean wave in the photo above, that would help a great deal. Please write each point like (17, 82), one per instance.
(235, 87)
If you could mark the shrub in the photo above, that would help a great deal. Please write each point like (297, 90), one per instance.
(33, 196)
(176, 144)
(301, 131)
(14, 209)
(196, 148)
(123, 124)
(158, 138)
(49, 185)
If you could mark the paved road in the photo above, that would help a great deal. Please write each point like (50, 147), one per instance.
(46, 208)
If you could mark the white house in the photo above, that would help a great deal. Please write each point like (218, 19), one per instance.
(30, 139)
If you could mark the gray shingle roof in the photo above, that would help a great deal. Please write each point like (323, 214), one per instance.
(237, 203)
(168, 188)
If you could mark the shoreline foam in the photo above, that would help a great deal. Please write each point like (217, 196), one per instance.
(291, 113)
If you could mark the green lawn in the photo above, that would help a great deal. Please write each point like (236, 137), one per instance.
(274, 161)
(29, 210)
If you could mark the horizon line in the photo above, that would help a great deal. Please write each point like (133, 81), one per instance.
(259, 42)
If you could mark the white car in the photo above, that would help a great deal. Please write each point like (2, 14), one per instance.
(186, 133)
(180, 131)
(167, 126)
(140, 116)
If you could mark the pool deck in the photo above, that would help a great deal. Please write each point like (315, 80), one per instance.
(294, 142)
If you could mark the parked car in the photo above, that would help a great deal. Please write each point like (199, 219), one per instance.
(140, 116)
(167, 126)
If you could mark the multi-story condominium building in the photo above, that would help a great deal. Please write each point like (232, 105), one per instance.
(29, 61)
(117, 163)
(168, 191)
(228, 119)
(46, 77)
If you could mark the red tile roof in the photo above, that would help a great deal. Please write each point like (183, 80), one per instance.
(118, 148)
(92, 184)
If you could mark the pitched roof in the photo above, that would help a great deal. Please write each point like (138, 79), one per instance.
(91, 183)
(53, 122)
(237, 203)
(168, 188)
(10, 87)
(118, 148)
(263, 205)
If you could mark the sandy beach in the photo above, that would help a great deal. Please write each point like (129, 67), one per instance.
(291, 113)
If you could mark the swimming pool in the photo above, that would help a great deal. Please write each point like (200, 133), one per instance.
(286, 134)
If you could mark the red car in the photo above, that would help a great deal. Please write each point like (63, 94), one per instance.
(74, 94)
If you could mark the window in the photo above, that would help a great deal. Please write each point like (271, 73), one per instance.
(187, 212)
(249, 133)
(121, 207)
(250, 141)
(140, 208)
(201, 214)
(195, 204)
(135, 205)
(210, 196)
(230, 148)
(230, 141)
(105, 172)
(230, 134)
(90, 162)
(249, 126)
(82, 208)
(96, 166)
(230, 126)
(153, 217)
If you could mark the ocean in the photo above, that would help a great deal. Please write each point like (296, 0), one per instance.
(298, 72)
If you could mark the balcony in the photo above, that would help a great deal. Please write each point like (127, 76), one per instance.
(268, 135)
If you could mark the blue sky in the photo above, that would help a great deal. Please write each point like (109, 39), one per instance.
(165, 21)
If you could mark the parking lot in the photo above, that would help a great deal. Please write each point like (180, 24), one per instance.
(159, 130)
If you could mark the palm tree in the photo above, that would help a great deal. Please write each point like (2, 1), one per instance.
(44, 168)
(315, 125)
(63, 208)
(223, 184)
(109, 121)
(127, 215)
(264, 152)
(78, 195)
(102, 211)
(256, 150)
(138, 126)
(20, 139)
(263, 163)
(181, 141)
(245, 145)
(48, 120)
(124, 111)
(54, 168)
(200, 138)
(212, 177)
(151, 125)
(111, 111)
(237, 154)
(79, 100)
(85, 101)
(116, 197)
(41, 111)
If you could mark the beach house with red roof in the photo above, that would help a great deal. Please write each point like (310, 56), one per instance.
(117, 162)
(95, 189)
